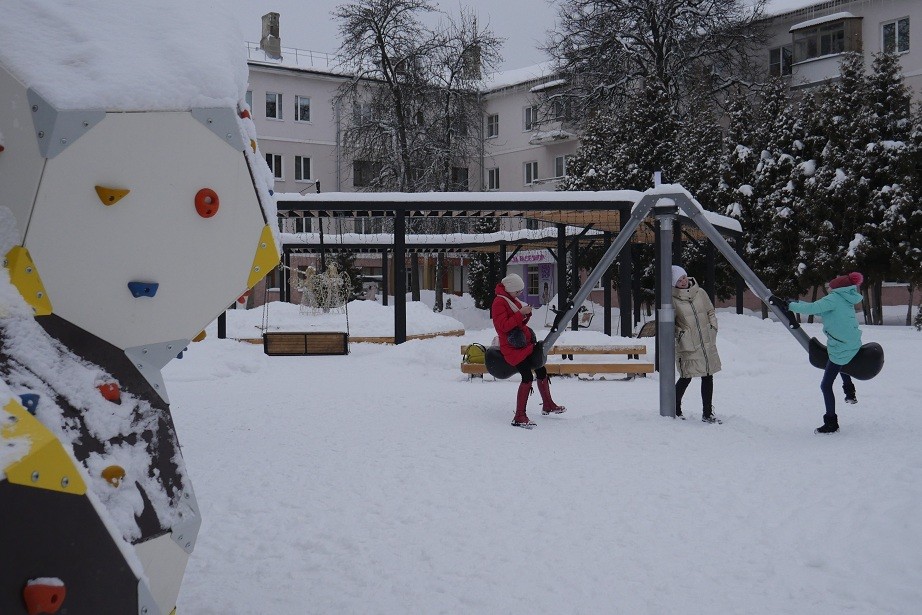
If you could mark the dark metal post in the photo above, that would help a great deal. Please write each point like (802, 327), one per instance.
(384, 276)
(574, 255)
(222, 326)
(414, 276)
(606, 284)
(657, 272)
(562, 295)
(710, 275)
(284, 284)
(740, 282)
(503, 269)
(400, 277)
(625, 266)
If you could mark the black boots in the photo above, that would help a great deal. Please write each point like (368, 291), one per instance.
(830, 424)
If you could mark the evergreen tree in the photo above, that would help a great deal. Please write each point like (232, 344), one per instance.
(481, 281)
(883, 247)
(839, 194)
(345, 262)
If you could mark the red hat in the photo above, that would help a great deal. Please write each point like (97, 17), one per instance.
(852, 279)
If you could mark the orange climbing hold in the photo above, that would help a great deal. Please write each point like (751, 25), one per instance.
(111, 392)
(110, 196)
(206, 202)
(114, 475)
(44, 596)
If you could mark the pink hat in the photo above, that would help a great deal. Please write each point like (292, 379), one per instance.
(852, 279)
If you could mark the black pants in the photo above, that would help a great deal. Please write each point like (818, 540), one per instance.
(707, 391)
(534, 361)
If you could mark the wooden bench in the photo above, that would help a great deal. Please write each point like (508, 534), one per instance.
(569, 368)
(289, 344)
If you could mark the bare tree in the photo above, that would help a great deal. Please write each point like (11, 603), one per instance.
(607, 49)
(415, 109)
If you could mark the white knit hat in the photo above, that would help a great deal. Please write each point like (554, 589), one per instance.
(677, 272)
(512, 283)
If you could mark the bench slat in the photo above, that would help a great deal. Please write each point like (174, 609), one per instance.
(285, 343)
(576, 368)
(558, 349)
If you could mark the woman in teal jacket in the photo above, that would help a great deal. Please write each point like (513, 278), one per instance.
(843, 339)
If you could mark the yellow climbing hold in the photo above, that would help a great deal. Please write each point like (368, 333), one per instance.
(25, 278)
(199, 337)
(253, 145)
(47, 465)
(114, 475)
(110, 196)
(267, 257)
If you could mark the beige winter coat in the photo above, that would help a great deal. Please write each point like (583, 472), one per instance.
(695, 332)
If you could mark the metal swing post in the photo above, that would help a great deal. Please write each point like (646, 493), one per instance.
(666, 212)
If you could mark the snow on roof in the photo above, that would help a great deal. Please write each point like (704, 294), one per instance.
(387, 239)
(780, 7)
(821, 20)
(170, 55)
(507, 78)
(550, 84)
(613, 196)
(631, 196)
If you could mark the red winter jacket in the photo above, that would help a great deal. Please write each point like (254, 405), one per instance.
(505, 319)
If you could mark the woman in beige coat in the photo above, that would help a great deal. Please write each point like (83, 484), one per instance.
(695, 341)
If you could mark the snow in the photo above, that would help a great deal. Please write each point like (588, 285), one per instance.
(385, 482)
(92, 54)
(821, 20)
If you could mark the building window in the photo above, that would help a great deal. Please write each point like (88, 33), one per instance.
(363, 173)
(492, 126)
(369, 226)
(532, 225)
(827, 39)
(302, 109)
(362, 112)
(532, 280)
(275, 165)
(560, 165)
(560, 110)
(249, 98)
(493, 179)
(302, 168)
(531, 172)
(531, 117)
(273, 105)
(780, 60)
(459, 177)
(895, 36)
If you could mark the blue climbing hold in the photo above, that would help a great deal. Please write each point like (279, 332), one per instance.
(271, 192)
(143, 289)
(30, 402)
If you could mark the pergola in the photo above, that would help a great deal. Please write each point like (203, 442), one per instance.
(601, 216)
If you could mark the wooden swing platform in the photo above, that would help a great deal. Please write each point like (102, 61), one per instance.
(563, 367)
(305, 343)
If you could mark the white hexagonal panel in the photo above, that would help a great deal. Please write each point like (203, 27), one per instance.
(88, 252)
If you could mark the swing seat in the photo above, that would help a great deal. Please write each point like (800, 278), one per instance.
(864, 366)
(297, 344)
(496, 364)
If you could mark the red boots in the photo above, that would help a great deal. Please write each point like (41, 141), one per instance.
(521, 419)
(549, 407)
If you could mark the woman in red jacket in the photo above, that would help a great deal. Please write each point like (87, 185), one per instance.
(509, 314)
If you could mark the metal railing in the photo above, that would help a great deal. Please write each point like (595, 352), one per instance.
(292, 56)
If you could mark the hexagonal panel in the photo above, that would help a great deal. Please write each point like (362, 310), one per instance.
(88, 252)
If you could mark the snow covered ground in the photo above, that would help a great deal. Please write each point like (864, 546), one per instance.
(385, 482)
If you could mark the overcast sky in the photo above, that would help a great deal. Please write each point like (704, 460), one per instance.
(308, 24)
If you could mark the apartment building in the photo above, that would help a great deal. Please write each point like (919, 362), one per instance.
(807, 37)
(526, 146)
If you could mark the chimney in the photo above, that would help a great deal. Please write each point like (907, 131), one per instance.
(270, 41)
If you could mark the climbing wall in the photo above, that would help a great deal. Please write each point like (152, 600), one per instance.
(124, 234)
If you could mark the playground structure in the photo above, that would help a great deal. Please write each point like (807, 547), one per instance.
(125, 233)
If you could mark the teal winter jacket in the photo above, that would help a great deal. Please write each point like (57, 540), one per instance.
(839, 321)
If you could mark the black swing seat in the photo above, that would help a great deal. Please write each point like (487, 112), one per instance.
(864, 366)
(496, 364)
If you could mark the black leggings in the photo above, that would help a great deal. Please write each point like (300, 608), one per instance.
(534, 361)
(707, 390)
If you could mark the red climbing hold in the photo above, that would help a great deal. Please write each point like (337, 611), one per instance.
(111, 392)
(245, 114)
(44, 596)
(206, 202)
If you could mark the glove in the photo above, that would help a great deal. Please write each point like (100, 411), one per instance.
(779, 302)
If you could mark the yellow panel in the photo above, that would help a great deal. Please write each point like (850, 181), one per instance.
(110, 196)
(25, 278)
(47, 465)
(267, 257)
